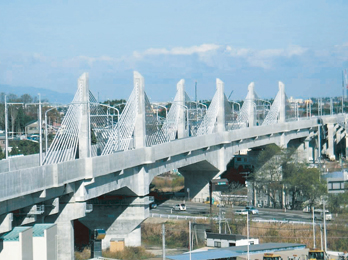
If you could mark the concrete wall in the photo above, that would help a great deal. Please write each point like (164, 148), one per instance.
(45, 248)
(20, 162)
(19, 250)
(51, 242)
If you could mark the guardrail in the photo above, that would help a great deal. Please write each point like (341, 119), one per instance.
(155, 215)
(283, 221)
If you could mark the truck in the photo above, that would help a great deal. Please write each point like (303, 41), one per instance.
(271, 256)
(317, 254)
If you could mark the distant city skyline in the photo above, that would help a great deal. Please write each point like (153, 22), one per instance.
(49, 45)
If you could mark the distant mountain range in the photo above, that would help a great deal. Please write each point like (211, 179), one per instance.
(52, 96)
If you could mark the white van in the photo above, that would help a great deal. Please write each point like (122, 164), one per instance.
(318, 214)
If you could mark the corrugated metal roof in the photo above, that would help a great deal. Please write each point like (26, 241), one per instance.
(235, 251)
(267, 247)
(210, 254)
(38, 229)
(14, 234)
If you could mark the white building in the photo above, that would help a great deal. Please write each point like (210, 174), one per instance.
(228, 240)
(30, 243)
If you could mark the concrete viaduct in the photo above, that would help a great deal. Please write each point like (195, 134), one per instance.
(64, 184)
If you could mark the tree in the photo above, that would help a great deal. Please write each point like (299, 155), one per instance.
(304, 184)
(267, 176)
(338, 203)
(2, 154)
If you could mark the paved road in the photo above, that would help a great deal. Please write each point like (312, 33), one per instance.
(201, 209)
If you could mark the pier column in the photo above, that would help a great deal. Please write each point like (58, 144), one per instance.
(120, 218)
(69, 211)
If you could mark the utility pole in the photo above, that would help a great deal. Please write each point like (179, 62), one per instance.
(342, 92)
(248, 235)
(321, 237)
(6, 126)
(40, 131)
(324, 220)
(219, 220)
(163, 242)
(196, 92)
(313, 228)
(190, 238)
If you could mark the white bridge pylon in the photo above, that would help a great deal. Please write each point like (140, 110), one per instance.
(88, 131)
(277, 111)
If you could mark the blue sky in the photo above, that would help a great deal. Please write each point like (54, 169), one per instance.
(48, 44)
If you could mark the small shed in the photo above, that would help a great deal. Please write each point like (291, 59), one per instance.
(17, 244)
(44, 242)
(228, 240)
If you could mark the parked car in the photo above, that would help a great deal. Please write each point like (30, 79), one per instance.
(180, 207)
(241, 212)
(252, 210)
(153, 205)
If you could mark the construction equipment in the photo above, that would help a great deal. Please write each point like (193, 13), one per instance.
(271, 256)
(317, 254)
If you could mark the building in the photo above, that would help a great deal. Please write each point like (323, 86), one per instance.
(2, 142)
(228, 240)
(285, 250)
(337, 182)
(30, 243)
(32, 128)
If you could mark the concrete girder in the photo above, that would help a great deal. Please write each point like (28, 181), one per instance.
(197, 177)
(119, 220)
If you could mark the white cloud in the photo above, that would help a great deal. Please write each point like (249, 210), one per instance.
(264, 58)
(83, 60)
(178, 50)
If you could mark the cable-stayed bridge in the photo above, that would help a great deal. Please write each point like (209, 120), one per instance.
(99, 154)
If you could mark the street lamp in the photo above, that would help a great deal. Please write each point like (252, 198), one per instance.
(234, 103)
(6, 126)
(166, 134)
(112, 121)
(187, 114)
(198, 103)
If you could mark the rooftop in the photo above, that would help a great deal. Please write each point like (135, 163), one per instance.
(237, 251)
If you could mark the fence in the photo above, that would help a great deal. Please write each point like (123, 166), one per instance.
(154, 215)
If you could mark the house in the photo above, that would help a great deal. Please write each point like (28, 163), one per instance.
(228, 240)
(337, 182)
(32, 128)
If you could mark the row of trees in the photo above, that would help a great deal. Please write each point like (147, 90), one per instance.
(21, 111)
(279, 173)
